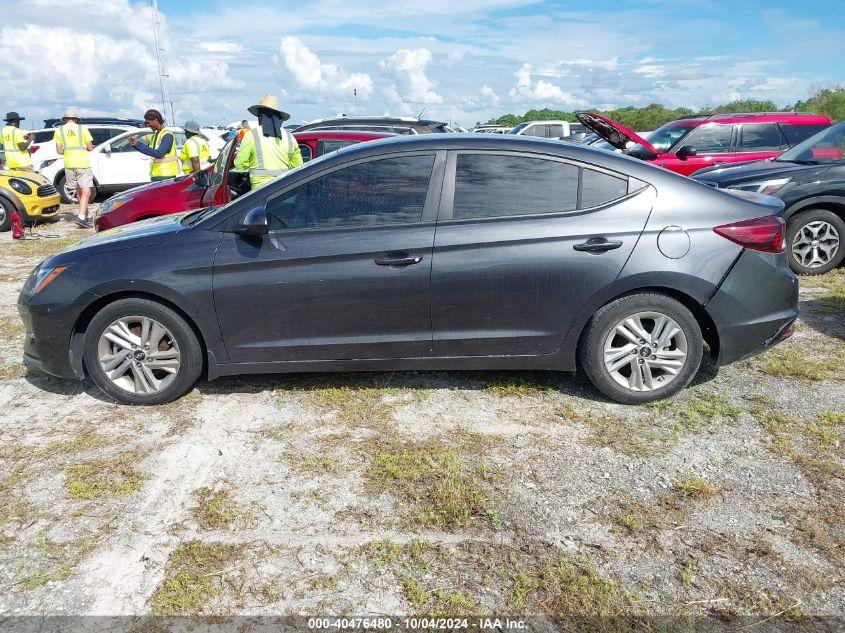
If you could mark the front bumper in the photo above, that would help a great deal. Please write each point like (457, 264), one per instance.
(755, 307)
(38, 208)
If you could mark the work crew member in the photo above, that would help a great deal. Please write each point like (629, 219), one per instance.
(162, 148)
(195, 154)
(270, 150)
(16, 143)
(74, 141)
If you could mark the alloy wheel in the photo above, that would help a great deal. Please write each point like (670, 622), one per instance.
(70, 193)
(645, 351)
(2, 215)
(815, 244)
(139, 355)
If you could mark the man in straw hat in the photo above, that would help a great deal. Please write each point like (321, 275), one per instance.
(195, 154)
(74, 141)
(16, 142)
(270, 150)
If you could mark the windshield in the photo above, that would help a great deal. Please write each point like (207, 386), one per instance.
(828, 146)
(664, 137)
(518, 128)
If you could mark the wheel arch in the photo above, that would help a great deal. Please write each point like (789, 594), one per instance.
(90, 311)
(834, 204)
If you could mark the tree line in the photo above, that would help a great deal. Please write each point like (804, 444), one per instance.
(828, 101)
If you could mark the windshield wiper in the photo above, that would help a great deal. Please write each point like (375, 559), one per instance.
(199, 215)
(798, 161)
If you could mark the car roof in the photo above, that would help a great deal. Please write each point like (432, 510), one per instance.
(795, 118)
(376, 119)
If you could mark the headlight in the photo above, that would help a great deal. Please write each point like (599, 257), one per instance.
(44, 276)
(21, 186)
(762, 186)
(110, 205)
(48, 162)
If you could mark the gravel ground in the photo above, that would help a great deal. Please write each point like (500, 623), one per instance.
(428, 492)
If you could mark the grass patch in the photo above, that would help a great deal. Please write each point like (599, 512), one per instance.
(62, 560)
(12, 330)
(83, 442)
(696, 488)
(10, 372)
(104, 478)
(44, 247)
(356, 404)
(440, 486)
(14, 506)
(194, 576)
(311, 464)
(515, 385)
(216, 510)
(797, 362)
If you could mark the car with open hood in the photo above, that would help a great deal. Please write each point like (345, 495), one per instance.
(692, 143)
(428, 252)
(810, 179)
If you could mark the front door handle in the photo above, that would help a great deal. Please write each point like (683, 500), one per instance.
(597, 245)
(398, 259)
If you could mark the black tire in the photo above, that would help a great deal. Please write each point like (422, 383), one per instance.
(591, 351)
(799, 223)
(191, 359)
(60, 185)
(5, 216)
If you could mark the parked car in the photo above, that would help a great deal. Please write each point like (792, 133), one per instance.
(100, 120)
(28, 193)
(116, 165)
(810, 179)
(395, 125)
(218, 184)
(43, 148)
(689, 144)
(543, 129)
(491, 129)
(425, 252)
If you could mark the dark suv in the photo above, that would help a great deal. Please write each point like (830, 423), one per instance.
(810, 179)
(395, 125)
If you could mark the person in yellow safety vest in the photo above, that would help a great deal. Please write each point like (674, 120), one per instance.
(16, 143)
(269, 151)
(162, 148)
(74, 141)
(195, 154)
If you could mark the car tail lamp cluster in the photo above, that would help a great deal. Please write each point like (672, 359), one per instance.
(34, 148)
(764, 234)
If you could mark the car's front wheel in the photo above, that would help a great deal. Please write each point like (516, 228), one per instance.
(815, 242)
(641, 347)
(5, 216)
(69, 195)
(141, 352)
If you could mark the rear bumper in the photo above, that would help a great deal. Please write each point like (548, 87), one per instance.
(755, 306)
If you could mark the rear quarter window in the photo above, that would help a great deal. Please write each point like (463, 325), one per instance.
(598, 188)
(796, 134)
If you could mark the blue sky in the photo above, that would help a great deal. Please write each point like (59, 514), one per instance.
(461, 61)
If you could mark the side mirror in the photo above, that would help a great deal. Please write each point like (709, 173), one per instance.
(686, 151)
(201, 178)
(107, 149)
(254, 223)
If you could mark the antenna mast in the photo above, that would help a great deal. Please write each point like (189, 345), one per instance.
(161, 58)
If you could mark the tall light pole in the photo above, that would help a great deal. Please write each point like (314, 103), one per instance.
(161, 58)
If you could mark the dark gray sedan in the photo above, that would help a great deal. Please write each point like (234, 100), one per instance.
(428, 252)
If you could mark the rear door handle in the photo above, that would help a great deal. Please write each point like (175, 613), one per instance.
(398, 259)
(597, 245)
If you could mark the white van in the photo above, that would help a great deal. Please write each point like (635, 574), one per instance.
(546, 129)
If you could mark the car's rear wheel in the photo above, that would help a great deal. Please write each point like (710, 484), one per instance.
(141, 352)
(69, 195)
(5, 216)
(641, 347)
(815, 241)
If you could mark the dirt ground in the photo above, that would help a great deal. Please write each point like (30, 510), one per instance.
(428, 492)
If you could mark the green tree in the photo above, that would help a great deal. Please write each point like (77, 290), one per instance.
(828, 101)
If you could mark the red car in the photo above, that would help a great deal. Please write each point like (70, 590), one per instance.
(218, 184)
(687, 145)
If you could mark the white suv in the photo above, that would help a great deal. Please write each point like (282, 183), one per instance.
(43, 149)
(544, 129)
(116, 165)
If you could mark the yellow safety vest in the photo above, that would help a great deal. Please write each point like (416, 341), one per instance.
(168, 165)
(16, 158)
(75, 148)
(194, 146)
(273, 156)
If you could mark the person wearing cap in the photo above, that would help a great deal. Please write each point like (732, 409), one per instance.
(269, 150)
(74, 141)
(16, 143)
(195, 153)
(162, 148)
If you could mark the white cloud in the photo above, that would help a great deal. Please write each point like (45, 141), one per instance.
(490, 95)
(316, 77)
(412, 84)
(221, 47)
(526, 88)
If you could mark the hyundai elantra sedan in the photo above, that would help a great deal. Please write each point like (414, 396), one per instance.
(427, 252)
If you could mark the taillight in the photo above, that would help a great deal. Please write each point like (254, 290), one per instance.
(760, 234)
(34, 148)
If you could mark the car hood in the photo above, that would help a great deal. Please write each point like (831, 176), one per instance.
(613, 132)
(756, 170)
(29, 176)
(135, 235)
(159, 187)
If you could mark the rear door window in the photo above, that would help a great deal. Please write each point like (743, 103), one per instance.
(326, 146)
(305, 150)
(761, 137)
(554, 130)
